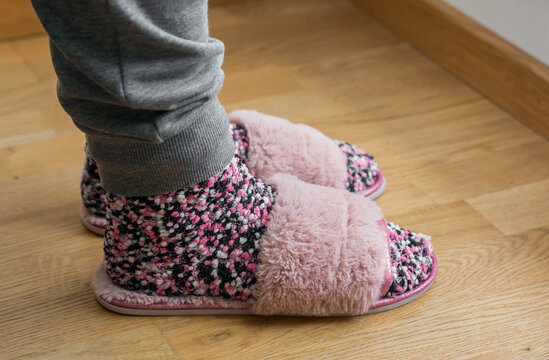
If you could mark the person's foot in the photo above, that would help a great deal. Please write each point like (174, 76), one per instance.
(235, 238)
(346, 166)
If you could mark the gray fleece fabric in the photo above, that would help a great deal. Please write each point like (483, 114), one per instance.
(141, 79)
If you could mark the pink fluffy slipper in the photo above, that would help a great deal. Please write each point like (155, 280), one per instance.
(287, 248)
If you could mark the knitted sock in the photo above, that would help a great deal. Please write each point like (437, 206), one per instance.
(411, 259)
(91, 190)
(202, 240)
(361, 167)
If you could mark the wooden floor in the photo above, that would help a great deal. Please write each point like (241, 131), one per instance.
(457, 167)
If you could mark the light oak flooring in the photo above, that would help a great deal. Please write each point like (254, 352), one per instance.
(457, 167)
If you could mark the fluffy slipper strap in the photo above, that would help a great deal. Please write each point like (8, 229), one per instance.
(325, 252)
(279, 146)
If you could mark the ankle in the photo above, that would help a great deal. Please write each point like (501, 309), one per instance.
(201, 240)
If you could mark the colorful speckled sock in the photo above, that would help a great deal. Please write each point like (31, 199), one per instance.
(240, 137)
(201, 240)
(362, 169)
(411, 259)
(91, 190)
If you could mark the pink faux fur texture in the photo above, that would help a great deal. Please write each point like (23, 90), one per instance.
(279, 146)
(324, 252)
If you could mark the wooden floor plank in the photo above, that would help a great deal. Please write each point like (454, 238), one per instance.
(13, 72)
(515, 209)
(146, 342)
(35, 54)
(31, 126)
(249, 84)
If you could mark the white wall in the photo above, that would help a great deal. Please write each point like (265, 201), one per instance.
(524, 23)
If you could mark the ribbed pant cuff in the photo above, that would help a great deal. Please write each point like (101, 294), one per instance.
(135, 168)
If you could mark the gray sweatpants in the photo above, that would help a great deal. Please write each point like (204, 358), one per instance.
(141, 79)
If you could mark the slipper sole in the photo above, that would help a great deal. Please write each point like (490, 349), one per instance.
(162, 309)
(93, 223)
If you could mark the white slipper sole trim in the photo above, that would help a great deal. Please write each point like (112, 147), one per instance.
(205, 312)
(100, 276)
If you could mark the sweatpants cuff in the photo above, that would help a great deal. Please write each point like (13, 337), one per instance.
(135, 168)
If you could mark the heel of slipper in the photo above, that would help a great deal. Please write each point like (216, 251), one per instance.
(92, 222)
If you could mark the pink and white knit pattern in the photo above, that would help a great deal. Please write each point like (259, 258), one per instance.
(202, 240)
(411, 259)
(362, 169)
(240, 137)
(91, 190)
